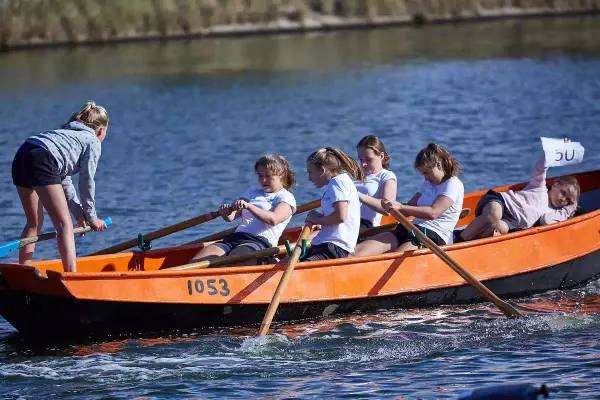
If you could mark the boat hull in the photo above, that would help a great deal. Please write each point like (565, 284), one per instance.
(35, 314)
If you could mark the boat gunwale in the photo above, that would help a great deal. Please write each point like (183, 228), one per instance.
(336, 262)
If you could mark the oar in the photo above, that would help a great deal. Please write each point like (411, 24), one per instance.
(287, 274)
(506, 308)
(220, 235)
(160, 233)
(15, 245)
(213, 237)
(219, 261)
(388, 227)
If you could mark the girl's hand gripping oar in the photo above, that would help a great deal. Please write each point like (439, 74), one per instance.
(505, 307)
(220, 235)
(15, 245)
(160, 233)
(266, 323)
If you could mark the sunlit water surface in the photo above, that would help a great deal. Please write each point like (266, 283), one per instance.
(188, 120)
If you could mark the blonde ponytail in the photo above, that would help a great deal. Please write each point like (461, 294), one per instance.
(91, 115)
(337, 162)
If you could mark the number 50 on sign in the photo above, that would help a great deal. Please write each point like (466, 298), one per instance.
(558, 152)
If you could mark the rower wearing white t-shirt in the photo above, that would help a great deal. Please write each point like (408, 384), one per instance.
(265, 201)
(380, 183)
(436, 206)
(264, 212)
(340, 206)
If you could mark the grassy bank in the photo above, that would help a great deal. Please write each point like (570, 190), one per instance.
(26, 23)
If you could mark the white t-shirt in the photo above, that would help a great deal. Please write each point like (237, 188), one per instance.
(444, 224)
(266, 201)
(374, 188)
(340, 188)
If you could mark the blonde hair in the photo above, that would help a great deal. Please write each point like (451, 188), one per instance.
(280, 166)
(374, 143)
(91, 115)
(571, 184)
(335, 161)
(433, 154)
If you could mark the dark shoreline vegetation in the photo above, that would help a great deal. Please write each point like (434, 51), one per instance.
(44, 23)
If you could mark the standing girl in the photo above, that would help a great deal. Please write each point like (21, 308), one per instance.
(340, 205)
(42, 170)
(379, 182)
(436, 206)
(265, 212)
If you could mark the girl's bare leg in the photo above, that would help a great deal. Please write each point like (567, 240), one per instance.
(34, 213)
(490, 215)
(207, 253)
(406, 247)
(378, 244)
(54, 201)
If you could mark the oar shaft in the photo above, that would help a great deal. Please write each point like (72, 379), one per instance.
(506, 308)
(272, 309)
(217, 262)
(212, 237)
(228, 260)
(50, 235)
(15, 245)
(311, 205)
(388, 227)
(160, 233)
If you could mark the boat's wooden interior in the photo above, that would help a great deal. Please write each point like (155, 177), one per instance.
(162, 259)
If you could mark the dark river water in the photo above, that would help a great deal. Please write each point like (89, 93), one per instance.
(188, 120)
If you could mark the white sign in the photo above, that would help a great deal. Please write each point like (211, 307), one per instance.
(558, 152)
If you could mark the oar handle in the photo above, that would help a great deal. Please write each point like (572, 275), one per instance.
(272, 309)
(311, 205)
(505, 307)
(15, 245)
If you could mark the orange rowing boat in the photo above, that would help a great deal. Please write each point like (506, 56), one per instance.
(136, 292)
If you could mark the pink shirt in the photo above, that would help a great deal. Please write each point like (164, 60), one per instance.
(532, 203)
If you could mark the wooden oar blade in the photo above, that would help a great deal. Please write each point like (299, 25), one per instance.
(287, 273)
(508, 310)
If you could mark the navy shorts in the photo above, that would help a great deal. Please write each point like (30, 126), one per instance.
(237, 239)
(492, 196)
(365, 224)
(34, 166)
(403, 236)
(324, 251)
